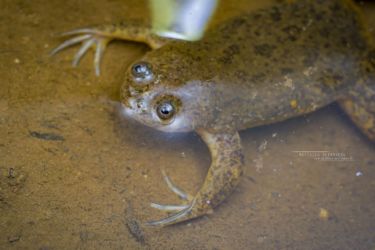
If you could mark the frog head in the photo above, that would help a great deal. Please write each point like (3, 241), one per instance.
(159, 96)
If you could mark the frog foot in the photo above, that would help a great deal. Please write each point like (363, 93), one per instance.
(90, 38)
(222, 178)
(98, 38)
(180, 209)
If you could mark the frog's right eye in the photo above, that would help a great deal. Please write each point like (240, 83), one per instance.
(142, 72)
(165, 110)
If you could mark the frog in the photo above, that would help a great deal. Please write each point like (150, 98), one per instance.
(255, 69)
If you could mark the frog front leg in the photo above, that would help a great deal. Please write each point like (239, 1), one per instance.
(97, 38)
(222, 178)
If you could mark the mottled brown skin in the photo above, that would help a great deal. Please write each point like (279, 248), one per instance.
(255, 69)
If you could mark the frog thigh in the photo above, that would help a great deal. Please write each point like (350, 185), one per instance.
(360, 106)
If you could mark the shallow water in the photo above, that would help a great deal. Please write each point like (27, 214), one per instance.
(74, 174)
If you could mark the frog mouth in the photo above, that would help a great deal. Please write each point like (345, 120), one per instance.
(126, 104)
(126, 110)
(129, 107)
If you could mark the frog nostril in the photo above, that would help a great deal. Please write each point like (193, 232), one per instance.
(141, 105)
(133, 91)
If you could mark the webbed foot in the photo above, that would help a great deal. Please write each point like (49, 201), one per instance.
(222, 178)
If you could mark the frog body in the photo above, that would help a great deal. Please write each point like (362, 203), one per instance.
(255, 69)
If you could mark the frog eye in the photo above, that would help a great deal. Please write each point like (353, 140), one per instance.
(165, 110)
(142, 72)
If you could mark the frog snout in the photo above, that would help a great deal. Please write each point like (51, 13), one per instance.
(136, 104)
(133, 91)
(129, 94)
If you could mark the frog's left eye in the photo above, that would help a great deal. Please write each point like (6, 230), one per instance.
(165, 110)
(142, 72)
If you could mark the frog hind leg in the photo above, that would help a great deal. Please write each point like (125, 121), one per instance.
(360, 107)
(97, 38)
(222, 178)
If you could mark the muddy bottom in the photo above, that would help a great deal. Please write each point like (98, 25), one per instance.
(75, 175)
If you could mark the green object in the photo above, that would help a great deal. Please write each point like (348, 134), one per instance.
(181, 19)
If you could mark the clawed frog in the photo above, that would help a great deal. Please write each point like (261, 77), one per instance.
(255, 69)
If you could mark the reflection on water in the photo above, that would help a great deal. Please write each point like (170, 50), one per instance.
(76, 174)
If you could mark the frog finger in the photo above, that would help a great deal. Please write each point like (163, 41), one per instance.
(82, 51)
(169, 207)
(181, 193)
(80, 31)
(173, 218)
(100, 47)
(70, 42)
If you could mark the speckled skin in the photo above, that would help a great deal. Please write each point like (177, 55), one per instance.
(255, 69)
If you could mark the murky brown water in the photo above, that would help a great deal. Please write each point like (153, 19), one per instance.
(74, 175)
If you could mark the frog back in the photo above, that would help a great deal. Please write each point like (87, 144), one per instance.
(281, 62)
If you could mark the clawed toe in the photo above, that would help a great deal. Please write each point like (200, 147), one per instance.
(82, 51)
(70, 42)
(180, 193)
